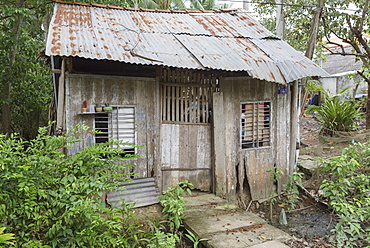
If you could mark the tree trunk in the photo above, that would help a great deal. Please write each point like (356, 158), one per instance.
(314, 30)
(367, 107)
(5, 108)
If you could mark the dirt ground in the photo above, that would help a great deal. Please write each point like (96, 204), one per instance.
(310, 222)
(325, 147)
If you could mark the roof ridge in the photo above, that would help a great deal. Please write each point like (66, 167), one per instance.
(186, 11)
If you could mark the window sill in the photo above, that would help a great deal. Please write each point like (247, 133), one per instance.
(94, 113)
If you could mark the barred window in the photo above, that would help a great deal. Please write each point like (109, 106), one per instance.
(189, 103)
(255, 124)
(119, 124)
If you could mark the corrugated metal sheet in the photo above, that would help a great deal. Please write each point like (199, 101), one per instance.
(141, 191)
(230, 41)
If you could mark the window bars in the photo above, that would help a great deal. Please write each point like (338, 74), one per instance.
(255, 124)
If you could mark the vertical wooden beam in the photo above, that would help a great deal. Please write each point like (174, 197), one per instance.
(61, 98)
(293, 126)
(219, 144)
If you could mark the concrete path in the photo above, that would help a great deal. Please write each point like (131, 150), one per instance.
(211, 217)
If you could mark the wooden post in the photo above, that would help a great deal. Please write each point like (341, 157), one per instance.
(61, 97)
(279, 19)
(314, 30)
(293, 127)
(219, 144)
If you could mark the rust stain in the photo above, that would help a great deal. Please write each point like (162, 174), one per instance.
(55, 50)
(73, 44)
(102, 38)
(74, 52)
(105, 47)
(126, 55)
(273, 76)
(109, 56)
(301, 65)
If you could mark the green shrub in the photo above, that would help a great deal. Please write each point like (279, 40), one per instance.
(348, 193)
(49, 199)
(174, 204)
(5, 237)
(337, 115)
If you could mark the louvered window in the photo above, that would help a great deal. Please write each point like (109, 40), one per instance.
(255, 124)
(119, 124)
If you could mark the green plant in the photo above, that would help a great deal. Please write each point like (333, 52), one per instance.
(52, 199)
(276, 173)
(5, 237)
(193, 238)
(161, 239)
(348, 192)
(292, 189)
(337, 115)
(174, 204)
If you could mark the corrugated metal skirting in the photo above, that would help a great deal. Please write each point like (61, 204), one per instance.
(141, 191)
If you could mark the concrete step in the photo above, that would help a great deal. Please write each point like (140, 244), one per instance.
(225, 225)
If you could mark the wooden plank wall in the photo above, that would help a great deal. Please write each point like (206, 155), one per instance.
(186, 155)
(246, 169)
(138, 92)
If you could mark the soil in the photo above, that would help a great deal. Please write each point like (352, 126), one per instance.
(310, 222)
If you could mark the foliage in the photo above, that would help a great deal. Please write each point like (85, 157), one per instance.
(5, 237)
(162, 239)
(194, 238)
(292, 189)
(22, 72)
(161, 4)
(343, 25)
(337, 115)
(51, 199)
(348, 193)
(174, 203)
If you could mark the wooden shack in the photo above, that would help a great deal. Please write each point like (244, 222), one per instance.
(209, 97)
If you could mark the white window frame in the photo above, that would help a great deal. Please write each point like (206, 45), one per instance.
(118, 124)
(255, 124)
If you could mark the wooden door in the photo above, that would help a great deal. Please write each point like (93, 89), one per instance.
(186, 155)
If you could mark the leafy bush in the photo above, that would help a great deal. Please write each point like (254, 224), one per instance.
(348, 193)
(49, 199)
(337, 115)
(174, 203)
(5, 237)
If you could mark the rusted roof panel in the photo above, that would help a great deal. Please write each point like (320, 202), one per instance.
(231, 41)
(292, 64)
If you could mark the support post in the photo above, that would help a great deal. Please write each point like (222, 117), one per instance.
(61, 98)
(293, 127)
(280, 19)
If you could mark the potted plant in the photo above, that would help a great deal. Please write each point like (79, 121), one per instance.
(107, 107)
(98, 107)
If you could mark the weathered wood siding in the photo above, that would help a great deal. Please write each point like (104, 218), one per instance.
(186, 155)
(140, 93)
(246, 169)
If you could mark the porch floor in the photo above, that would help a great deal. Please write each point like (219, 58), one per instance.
(225, 225)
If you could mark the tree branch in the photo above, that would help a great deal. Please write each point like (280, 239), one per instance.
(361, 73)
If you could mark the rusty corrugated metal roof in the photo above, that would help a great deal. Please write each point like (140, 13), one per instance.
(229, 40)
